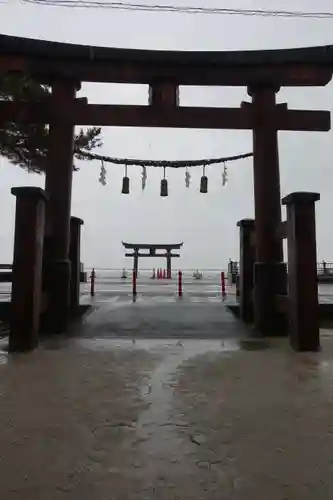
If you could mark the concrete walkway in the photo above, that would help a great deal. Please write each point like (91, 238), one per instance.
(100, 416)
(161, 316)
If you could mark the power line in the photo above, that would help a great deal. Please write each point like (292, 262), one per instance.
(185, 9)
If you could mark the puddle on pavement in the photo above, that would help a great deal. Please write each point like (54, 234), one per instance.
(158, 426)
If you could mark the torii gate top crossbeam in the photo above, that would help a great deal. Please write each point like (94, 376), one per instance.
(50, 60)
(143, 246)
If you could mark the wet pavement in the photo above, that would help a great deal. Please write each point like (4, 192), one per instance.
(160, 317)
(165, 399)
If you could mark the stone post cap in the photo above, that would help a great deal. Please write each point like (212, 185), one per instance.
(246, 223)
(76, 220)
(300, 197)
(31, 192)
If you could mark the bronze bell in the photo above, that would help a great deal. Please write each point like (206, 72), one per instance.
(126, 185)
(204, 184)
(164, 187)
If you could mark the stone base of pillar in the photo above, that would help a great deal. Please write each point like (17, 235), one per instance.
(269, 279)
(58, 311)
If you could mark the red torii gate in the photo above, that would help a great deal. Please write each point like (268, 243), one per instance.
(168, 254)
(65, 66)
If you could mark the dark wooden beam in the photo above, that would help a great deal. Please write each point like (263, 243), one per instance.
(163, 94)
(159, 246)
(145, 72)
(148, 116)
(162, 255)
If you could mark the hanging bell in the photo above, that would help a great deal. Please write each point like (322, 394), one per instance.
(164, 187)
(204, 182)
(126, 185)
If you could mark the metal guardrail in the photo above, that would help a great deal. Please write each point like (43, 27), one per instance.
(323, 268)
(6, 273)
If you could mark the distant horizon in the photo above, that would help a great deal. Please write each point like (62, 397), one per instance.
(206, 223)
(151, 268)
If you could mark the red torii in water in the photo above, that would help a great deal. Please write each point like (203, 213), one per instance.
(136, 247)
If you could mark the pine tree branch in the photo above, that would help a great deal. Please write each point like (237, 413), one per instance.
(26, 144)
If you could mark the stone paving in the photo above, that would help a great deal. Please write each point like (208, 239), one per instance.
(96, 416)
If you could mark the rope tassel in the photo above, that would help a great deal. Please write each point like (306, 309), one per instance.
(187, 178)
(224, 175)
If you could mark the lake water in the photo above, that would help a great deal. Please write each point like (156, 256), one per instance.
(108, 282)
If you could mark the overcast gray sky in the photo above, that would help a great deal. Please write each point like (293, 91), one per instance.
(206, 223)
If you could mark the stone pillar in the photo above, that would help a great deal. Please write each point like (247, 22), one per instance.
(27, 268)
(58, 185)
(302, 271)
(246, 268)
(269, 270)
(74, 257)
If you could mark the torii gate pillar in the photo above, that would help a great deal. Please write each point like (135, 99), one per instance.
(168, 259)
(136, 261)
(270, 271)
(58, 186)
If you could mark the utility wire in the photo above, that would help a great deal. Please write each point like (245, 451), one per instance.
(184, 9)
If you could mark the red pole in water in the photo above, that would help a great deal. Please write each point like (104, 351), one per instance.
(180, 284)
(164, 274)
(223, 284)
(134, 284)
(92, 282)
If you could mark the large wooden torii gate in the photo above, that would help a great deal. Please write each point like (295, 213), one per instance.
(168, 254)
(65, 66)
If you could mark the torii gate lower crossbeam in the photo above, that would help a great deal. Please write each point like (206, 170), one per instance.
(168, 254)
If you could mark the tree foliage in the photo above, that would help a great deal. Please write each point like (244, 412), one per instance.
(26, 144)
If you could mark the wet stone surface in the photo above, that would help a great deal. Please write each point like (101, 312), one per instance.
(161, 317)
(98, 417)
